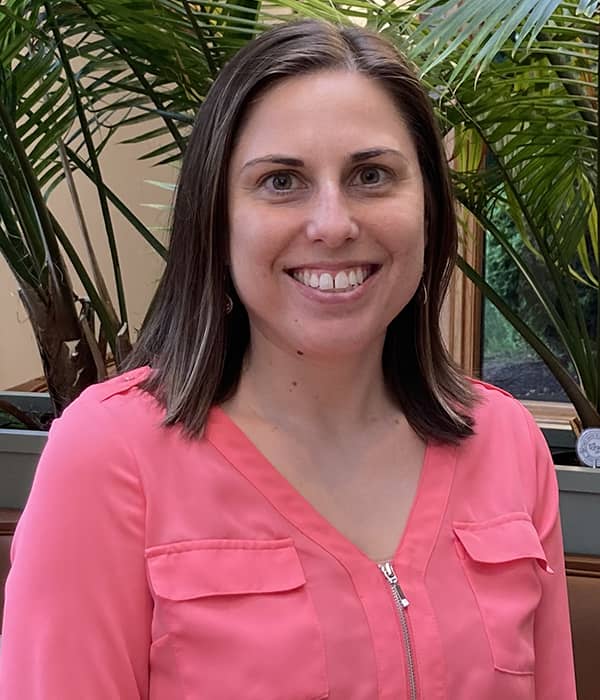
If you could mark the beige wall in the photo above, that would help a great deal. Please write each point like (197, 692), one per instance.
(141, 266)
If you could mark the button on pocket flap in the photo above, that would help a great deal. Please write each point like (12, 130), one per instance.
(507, 538)
(187, 570)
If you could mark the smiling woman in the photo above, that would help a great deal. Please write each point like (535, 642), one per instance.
(325, 186)
(292, 482)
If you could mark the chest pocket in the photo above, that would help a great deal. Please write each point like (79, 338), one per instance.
(503, 559)
(240, 618)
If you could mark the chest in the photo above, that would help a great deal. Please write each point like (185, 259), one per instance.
(276, 600)
(364, 492)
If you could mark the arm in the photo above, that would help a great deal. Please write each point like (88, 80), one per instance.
(554, 673)
(78, 612)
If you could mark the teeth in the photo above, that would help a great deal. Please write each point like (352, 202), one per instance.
(326, 281)
(341, 280)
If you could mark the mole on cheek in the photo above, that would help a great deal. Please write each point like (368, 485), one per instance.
(299, 352)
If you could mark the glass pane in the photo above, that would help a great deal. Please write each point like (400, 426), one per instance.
(507, 360)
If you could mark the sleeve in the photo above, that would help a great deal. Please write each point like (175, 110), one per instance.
(554, 672)
(78, 610)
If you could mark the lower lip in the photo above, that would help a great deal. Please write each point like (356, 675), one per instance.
(334, 298)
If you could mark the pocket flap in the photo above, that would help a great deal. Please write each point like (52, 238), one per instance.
(200, 568)
(507, 538)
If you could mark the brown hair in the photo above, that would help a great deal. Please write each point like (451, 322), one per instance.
(195, 349)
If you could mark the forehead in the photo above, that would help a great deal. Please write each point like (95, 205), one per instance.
(326, 109)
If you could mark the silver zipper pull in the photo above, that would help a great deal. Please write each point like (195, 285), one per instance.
(388, 571)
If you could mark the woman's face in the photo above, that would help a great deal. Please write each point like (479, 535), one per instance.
(326, 211)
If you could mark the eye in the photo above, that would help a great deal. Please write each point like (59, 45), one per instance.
(281, 182)
(371, 176)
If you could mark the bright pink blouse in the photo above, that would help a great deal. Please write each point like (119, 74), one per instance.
(149, 566)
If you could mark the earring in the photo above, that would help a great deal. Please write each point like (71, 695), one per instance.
(228, 304)
(424, 295)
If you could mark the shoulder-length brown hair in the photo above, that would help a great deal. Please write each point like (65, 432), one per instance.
(195, 348)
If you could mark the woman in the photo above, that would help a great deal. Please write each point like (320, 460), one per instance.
(303, 497)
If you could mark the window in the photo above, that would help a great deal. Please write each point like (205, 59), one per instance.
(486, 345)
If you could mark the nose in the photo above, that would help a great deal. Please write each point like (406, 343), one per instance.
(331, 220)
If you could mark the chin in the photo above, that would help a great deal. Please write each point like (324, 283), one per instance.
(333, 348)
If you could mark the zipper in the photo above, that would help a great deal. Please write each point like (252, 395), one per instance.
(401, 604)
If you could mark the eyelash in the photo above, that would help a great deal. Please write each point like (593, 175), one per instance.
(387, 177)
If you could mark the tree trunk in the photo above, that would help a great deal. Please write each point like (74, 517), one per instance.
(66, 355)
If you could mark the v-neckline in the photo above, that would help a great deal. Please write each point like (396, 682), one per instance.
(424, 517)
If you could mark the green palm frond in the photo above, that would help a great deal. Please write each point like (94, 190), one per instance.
(471, 34)
(518, 81)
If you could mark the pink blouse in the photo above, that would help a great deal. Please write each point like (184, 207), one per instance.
(147, 566)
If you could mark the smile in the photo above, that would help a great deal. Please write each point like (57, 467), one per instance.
(340, 281)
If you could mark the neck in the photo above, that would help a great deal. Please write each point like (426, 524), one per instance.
(295, 391)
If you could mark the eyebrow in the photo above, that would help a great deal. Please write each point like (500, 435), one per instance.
(375, 153)
(357, 157)
(274, 158)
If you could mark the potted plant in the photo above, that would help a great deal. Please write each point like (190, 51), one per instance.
(72, 75)
(47, 128)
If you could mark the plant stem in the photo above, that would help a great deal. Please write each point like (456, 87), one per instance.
(122, 207)
(201, 40)
(89, 142)
(41, 211)
(147, 88)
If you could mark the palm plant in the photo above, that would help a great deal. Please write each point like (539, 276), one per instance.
(56, 100)
(514, 80)
(518, 84)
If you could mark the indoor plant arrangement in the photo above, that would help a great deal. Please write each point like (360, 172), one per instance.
(49, 126)
(72, 75)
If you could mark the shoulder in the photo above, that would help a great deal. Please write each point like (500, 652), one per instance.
(104, 391)
(117, 400)
(494, 402)
(90, 454)
(502, 420)
(108, 419)
(507, 461)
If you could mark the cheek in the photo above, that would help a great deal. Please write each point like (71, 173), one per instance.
(405, 240)
(253, 257)
(402, 225)
(257, 242)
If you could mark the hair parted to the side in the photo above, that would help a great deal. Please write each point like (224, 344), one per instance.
(197, 350)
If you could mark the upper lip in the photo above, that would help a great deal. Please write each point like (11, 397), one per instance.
(331, 266)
